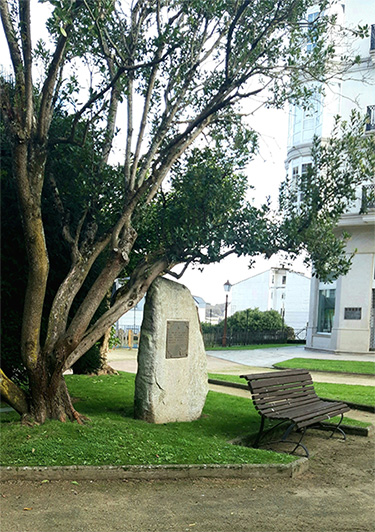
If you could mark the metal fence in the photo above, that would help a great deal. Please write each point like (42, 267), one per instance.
(215, 337)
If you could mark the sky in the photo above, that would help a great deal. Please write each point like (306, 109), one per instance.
(265, 173)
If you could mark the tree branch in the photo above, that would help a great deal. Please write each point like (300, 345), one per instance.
(25, 24)
(10, 34)
(69, 288)
(129, 296)
(13, 395)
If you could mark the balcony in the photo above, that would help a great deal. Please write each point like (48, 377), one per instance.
(370, 125)
(368, 198)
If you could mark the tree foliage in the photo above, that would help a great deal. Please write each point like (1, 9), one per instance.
(340, 167)
(182, 71)
(254, 320)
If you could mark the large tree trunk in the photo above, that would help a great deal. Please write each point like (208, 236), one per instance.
(51, 400)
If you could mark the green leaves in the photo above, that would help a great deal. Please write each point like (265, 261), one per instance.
(329, 187)
(204, 213)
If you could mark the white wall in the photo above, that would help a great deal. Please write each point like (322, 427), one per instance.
(260, 292)
(297, 298)
(251, 293)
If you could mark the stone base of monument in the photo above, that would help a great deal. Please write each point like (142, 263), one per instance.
(171, 382)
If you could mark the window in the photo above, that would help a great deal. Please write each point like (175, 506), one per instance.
(372, 39)
(312, 31)
(326, 310)
(370, 125)
(283, 281)
(304, 123)
(305, 169)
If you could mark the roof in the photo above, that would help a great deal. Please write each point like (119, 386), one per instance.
(200, 301)
(273, 269)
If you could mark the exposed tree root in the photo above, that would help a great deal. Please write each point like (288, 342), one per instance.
(80, 418)
(107, 370)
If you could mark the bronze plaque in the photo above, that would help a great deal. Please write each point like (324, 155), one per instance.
(177, 339)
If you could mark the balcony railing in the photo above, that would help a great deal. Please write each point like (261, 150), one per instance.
(370, 125)
(368, 198)
(372, 38)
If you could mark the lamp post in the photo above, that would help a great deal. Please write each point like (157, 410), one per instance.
(227, 287)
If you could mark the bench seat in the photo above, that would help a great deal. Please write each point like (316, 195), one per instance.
(289, 396)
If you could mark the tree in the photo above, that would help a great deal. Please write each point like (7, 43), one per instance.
(256, 320)
(180, 68)
(340, 166)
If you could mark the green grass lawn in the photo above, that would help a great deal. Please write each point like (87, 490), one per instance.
(352, 393)
(244, 347)
(114, 437)
(342, 366)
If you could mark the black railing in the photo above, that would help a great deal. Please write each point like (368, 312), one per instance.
(214, 338)
(372, 39)
(370, 125)
(368, 198)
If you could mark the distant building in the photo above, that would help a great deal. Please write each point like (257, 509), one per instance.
(342, 313)
(214, 313)
(279, 289)
(201, 306)
(132, 320)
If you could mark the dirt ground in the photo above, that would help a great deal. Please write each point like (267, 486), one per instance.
(336, 494)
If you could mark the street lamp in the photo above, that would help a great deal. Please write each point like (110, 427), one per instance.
(227, 287)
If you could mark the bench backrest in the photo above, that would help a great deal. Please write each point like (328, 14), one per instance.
(275, 391)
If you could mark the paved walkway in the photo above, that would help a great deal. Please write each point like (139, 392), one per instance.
(239, 362)
(265, 358)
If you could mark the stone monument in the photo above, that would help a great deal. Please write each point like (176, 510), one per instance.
(171, 382)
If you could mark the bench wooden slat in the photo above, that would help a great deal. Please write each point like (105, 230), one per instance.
(287, 391)
(329, 411)
(322, 417)
(305, 411)
(289, 406)
(259, 376)
(281, 381)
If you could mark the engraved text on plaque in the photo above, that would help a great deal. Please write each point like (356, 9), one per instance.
(177, 339)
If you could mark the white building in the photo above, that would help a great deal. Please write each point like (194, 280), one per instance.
(278, 289)
(341, 317)
(132, 320)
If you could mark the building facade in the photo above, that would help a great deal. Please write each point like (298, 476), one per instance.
(278, 289)
(341, 315)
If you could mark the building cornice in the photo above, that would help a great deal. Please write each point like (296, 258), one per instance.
(355, 220)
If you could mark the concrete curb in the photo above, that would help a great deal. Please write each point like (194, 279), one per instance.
(355, 406)
(275, 366)
(155, 472)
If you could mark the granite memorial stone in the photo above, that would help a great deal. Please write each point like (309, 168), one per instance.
(171, 382)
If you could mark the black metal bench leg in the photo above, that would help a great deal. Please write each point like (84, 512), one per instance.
(337, 427)
(297, 444)
(259, 435)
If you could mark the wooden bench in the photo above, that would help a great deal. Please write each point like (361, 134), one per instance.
(289, 396)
